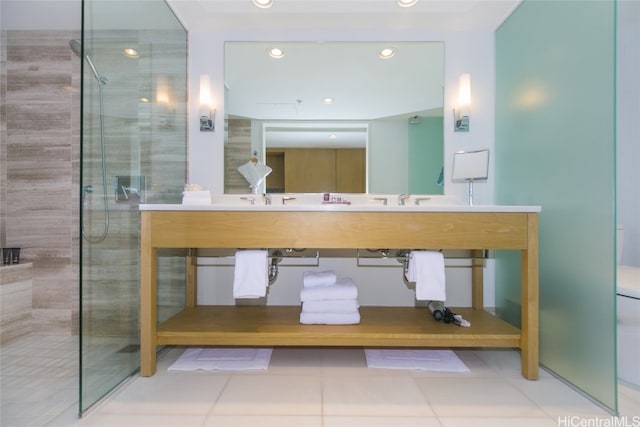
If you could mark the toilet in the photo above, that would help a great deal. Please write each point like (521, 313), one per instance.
(628, 304)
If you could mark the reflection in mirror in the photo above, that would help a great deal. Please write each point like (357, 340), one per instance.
(336, 117)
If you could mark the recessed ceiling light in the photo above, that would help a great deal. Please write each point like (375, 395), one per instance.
(130, 53)
(407, 3)
(387, 53)
(332, 136)
(144, 100)
(263, 4)
(328, 100)
(276, 53)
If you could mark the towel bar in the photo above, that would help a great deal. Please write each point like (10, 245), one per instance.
(284, 257)
(398, 258)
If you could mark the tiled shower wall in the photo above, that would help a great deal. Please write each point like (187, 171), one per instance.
(39, 168)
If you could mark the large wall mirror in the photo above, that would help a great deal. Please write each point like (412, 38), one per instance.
(336, 116)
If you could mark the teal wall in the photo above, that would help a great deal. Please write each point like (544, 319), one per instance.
(426, 155)
(555, 147)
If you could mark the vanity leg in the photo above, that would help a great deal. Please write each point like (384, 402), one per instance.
(530, 302)
(192, 279)
(148, 299)
(477, 282)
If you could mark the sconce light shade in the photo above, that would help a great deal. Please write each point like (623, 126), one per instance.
(470, 166)
(206, 111)
(461, 111)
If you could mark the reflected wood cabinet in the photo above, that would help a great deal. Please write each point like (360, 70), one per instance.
(316, 170)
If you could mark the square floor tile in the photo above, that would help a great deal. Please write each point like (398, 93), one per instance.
(168, 394)
(141, 420)
(497, 422)
(270, 395)
(263, 421)
(331, 421)
(477, 397)
(391, 395)
(557, 398)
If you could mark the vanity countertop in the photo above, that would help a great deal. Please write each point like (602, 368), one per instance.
(292, 207)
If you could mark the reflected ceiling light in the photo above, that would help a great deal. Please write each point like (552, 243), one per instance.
(328, 100)
(130, 53)
(387, 53)
(263, 4)
(276, 53)
(144, 100)
(407, 3)
(333, 136)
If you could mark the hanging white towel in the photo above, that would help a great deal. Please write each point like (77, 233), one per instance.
(330, 318)
(250, 276)
(344, 288)
(426, 269)
(330, 306)
(319, 278)
(254, 173)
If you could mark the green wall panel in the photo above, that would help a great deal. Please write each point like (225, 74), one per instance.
(426, 155)
(555, 147)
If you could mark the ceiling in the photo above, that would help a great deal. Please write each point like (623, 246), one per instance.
(435, 15)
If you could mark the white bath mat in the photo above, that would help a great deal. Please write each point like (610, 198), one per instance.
(222, 359)
(423, 360)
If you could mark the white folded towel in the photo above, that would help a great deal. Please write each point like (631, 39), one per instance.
(319, 278)
(250, 276)
(196, 197)
(426, 269)
(330, 318)
(330, 306)
(254, 173)
(343, 289)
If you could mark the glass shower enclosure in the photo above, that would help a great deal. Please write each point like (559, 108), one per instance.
(133, 151)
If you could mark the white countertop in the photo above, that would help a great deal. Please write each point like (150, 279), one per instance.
(338, 208)
(313, 202)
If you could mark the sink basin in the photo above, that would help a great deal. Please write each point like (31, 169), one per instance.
(338, 201)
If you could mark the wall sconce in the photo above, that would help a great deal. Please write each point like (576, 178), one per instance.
(206, 111)
(470, 166)
(461, 111)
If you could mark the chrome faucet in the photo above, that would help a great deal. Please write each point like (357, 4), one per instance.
(266, 198)
(250, 199)
(130, 190)
(285, 199)
(381, 199)
(403, 198)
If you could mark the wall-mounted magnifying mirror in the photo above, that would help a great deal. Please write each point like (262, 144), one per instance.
(470, 166)
(337, 107)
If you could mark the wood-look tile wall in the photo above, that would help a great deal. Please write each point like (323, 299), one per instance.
(40, 170)
(39, 127)
(16, 290)
(237, 153)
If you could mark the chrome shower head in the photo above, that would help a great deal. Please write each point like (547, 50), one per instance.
(76, 47)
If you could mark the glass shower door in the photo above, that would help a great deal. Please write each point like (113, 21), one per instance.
(133, 151)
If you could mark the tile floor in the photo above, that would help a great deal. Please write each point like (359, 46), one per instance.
(323, 388)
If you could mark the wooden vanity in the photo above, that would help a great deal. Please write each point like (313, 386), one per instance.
(455, 227)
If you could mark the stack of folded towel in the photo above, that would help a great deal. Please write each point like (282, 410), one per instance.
(194, 194)
(328, 300)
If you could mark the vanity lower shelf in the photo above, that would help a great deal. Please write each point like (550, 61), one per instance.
(379, 327)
